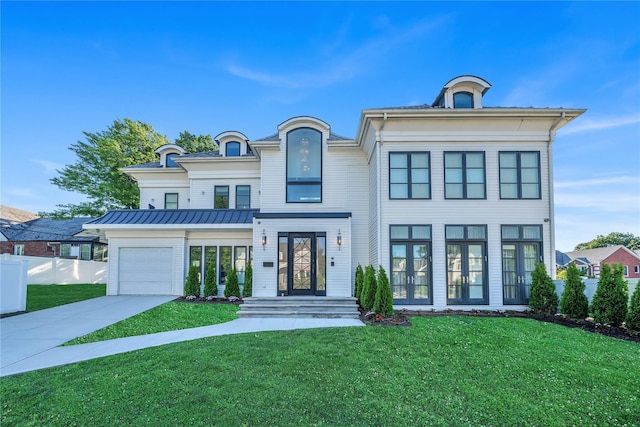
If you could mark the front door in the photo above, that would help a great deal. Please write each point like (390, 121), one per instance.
(302, 263)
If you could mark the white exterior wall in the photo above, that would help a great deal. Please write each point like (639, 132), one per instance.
(203, 191)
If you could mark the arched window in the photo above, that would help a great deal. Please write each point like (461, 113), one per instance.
(170, 163)
(462, 100)
(232, 149)
(304, 166)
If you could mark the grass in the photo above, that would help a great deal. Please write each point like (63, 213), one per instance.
(166, 317)
(441, 371)
(40, 297)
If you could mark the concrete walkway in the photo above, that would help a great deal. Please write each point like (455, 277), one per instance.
(31, 341)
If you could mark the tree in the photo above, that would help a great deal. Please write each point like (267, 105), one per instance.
(609, 303)
(612, 239)
(633, 317)
(543, 297)
(97, 174)
(247, 290)
(359, 279)
(195, 144)
(383, 304)
(574, 302)
(192, 284)
(369, 287)
(232, 288)
(210, 282)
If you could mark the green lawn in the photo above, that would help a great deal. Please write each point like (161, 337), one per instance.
(40, 297)
(442, 371)
(166, 317)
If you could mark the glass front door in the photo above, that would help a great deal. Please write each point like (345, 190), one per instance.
(302, 264)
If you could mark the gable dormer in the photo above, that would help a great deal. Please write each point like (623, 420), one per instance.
(233, 144)
(462, 92)
(167, 153)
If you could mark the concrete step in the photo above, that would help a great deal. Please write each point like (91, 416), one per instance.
(306, 306)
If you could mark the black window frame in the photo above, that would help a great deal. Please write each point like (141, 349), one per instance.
(465, 182)
(235, 144)
(216, 195)
(246, 205)
(298, 182)
(520, 241)
(409, 241)
(465, 241)
(409, 169)
(468, 95)
(519, 184)
(166, 195)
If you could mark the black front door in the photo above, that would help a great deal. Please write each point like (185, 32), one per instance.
(302, 263)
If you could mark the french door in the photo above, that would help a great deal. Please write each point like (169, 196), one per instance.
(411, 272)
(466, 273)
(518, 262)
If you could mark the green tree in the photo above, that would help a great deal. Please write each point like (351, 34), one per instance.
(544, 298)
(247, 290)
(232, 287)
(369, 288)
(633, 317)
(210, 282)
(359, 279)
(192, 284)
(610, 301)
(383, 303)
(574, 302)
(612, 239)
(195, 144)
(97, 174)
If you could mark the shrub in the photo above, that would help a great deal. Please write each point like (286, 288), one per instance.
(633, 317)
(210, 283)
(544, 299)
(609, 303)
(359, 280)
(247, 290)
(369, 287)
(574, 302)
(192, 284)
(383, 303)
(232, 288)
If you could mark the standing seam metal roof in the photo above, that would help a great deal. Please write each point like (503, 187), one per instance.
(177, 216)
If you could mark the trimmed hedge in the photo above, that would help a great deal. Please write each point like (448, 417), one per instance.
(192, 284)
(574, 302)
(543, 299)
(609, 303)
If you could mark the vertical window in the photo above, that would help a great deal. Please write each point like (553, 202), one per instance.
(232, 149)
(464, 175)
(304, 166)
(411, 263)
(171, 201)
(463, 100)
(65, 249)
(520, 175)
(170, 163)
(466, 264)
(409, 176)
(225, 263)
(221, 197)
(626, 271)
(210, 257)
(85, 251)
(521, 252)
(283, 263)
(240, 262)
(18, 250)
(636, 269)
(243, 197)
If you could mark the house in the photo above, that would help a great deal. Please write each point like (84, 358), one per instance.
(46, 237)
(589, 260)
(453, 199)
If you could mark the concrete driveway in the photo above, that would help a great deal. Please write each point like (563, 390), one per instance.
(27, 335)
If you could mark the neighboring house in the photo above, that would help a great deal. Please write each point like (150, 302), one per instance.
(590, 260)
(453, 199)
(46, 237)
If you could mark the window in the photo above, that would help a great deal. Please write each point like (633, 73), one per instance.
(409, 176)
(224, 263)
(411, 263)
(221, 197)
(171, 201)
(65, 249)
(240, 264)
(626, 271)
(232, 149)
(636, 269)
(243, 197)
(462, 100)
(170, 163)
(304, 166)
(466, 264)
(521, 251)
(520, 175)
(85, 251)
(18, 250)
(464, 175)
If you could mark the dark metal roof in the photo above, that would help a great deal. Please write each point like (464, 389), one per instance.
(284, 215)
(176, 216)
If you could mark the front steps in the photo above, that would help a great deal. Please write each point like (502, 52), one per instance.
(305, 306)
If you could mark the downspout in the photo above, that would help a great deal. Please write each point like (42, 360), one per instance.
(379, 143)
(552, 219)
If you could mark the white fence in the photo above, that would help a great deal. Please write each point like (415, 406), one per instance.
(47, 271)
(13, 286)
(591, 285)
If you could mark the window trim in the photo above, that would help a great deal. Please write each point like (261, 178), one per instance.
(465, 241)
(18, 249)
(215, 196)
(464, 168)
(303, 183)
(226, 149)
(519, 182)
(169, 162)
(409, 170)
(248, 205)
(466, 93)
(410, 240)
(176, 202)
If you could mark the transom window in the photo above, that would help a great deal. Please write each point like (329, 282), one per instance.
(409, 175)
(232, 149)
(243, 197)
(464, 175)
(221, 196)
(520, 175)
(304, 166)
(462, 100)
(171, 201)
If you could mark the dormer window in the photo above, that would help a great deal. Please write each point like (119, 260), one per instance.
(463, 100)
(170, 163)
(168, 155)
(232, 149)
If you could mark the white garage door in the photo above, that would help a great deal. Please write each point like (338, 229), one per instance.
(145, 271)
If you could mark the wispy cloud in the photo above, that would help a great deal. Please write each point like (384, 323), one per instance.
(49, 167)
(603, 123)
(609, 181)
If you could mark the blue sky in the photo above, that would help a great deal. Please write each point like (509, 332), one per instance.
(208, 67)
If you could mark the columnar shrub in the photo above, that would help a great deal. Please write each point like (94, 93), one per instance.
(383, 303)
(247, 290)
(574, 302)
(633, 317)
(369, 287)
(609, 303)
(543, 297)
(210, 282)
(232, 287)
(192, 284)
(358, 281)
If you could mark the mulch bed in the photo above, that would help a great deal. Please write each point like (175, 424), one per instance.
(403, 318)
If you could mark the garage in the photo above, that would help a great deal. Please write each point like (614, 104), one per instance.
(145, 271)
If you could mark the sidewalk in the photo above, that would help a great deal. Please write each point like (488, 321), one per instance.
(31, 343)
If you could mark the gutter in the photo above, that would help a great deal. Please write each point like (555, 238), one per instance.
(380, 143)
(552, 219)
